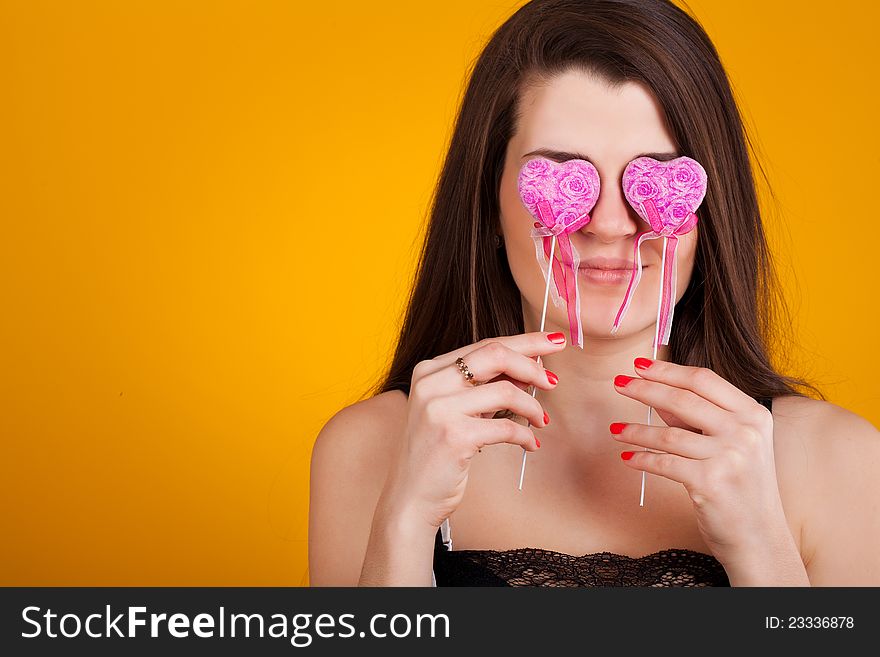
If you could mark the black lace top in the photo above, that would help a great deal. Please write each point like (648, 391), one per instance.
(537, 567)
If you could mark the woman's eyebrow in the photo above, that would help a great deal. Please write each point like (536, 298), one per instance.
(562, 156)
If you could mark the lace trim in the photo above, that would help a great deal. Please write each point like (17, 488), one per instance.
(537, 567)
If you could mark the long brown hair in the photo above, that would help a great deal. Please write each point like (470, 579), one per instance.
(464, 290)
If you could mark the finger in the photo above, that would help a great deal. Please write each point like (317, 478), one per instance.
(496, 359)
(497, 396)
(495, 432)
(487, 363)
(500, 395)
(700, 380)
(672, 466)
(665, 439)
(690, 407)
(672, 420)
(522, 385)
(528, 344)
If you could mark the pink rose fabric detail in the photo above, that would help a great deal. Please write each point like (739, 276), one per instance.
(560, 196)
(666, 195)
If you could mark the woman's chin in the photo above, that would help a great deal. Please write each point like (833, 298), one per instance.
(597, 324)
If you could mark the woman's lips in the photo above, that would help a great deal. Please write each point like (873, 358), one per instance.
(606, 271)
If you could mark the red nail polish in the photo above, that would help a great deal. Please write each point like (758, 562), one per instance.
(626, 456)
(537, 442)
(551, 377)
(617, 427)
(546, 418)
(622, 379)
(537, 224)
(556, 338)
(643, 363)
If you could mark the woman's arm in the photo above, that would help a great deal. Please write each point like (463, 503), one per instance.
(400, 551)
(352, 526)
(841, 534)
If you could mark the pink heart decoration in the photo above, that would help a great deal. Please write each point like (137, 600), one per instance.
(569, 190)
(666, 195)
(560, 196)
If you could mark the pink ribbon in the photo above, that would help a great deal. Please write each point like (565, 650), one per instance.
(667, 294)
(565, 272)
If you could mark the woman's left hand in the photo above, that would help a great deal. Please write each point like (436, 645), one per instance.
(719, 445)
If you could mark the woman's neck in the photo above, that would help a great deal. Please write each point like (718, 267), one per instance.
(585, 400)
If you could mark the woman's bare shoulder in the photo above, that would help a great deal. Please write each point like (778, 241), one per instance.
(809, 410)
(821, 427)
(350, 462)
(832, 455)
(359, 436)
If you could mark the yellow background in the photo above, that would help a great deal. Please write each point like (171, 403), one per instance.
(171, 343)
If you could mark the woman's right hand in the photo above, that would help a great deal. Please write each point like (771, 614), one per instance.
(450, 419)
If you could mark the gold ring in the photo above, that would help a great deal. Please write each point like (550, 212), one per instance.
(468, 375)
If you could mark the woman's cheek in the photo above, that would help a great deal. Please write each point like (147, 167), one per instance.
(523, 265)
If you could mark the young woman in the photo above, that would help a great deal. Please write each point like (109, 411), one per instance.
(751, 482)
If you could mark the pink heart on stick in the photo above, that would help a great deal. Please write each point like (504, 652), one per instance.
(559, 195)
(665, 194)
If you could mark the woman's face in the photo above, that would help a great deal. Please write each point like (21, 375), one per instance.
(577, 115)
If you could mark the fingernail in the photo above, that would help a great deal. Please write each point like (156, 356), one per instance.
(556, 338)
(537, 224)
(622, 379)
(551, 377)
(546, 418)
(626, 456)
(643, 363)
(617, 427)
(537, 442)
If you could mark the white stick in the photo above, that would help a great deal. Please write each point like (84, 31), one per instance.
(522, 470)
(656, 342)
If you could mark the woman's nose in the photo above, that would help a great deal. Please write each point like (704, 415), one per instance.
(612, 218)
